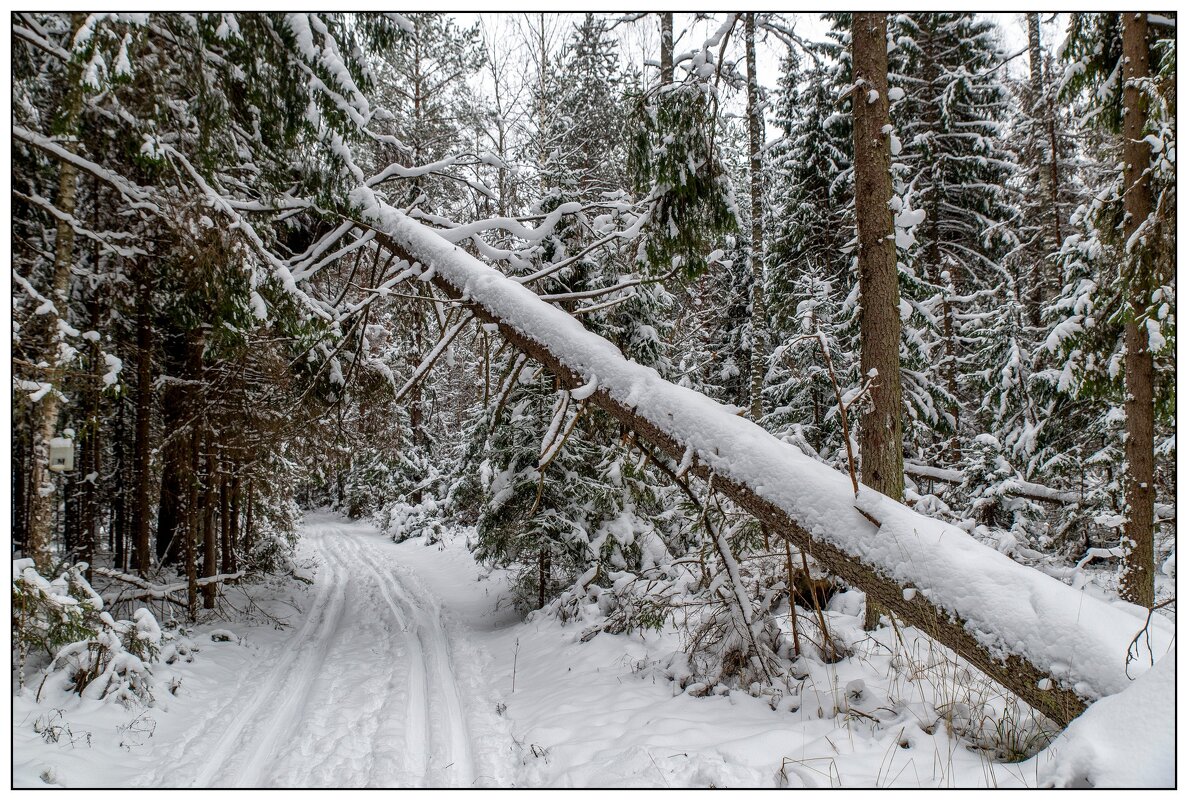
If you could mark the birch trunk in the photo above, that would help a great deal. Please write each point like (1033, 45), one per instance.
(43, 491)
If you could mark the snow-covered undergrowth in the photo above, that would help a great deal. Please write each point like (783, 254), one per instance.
(146, 685)
(402, 520)
(75, 646)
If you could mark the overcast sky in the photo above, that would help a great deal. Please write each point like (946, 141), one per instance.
(639, 40)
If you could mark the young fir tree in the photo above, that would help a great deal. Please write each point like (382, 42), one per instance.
(950, 123)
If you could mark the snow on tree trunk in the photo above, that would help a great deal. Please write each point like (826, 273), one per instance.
(882, 428)
(756, 252)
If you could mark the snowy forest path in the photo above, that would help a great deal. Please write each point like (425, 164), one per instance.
(363, 693)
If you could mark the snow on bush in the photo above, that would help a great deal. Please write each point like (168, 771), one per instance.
(274, 541)
(92, 654)
(403, 520)
(50, 614)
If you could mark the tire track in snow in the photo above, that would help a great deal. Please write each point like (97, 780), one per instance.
(332, 743)
(215, 726)
(380, 749)
(433, 670)
(285, 690)
(335, 709)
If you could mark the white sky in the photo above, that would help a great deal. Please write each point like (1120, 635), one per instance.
(639, 41)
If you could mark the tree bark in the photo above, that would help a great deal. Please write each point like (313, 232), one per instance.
(233, 535)
(20, 476)
(142, 447)
(756, 253)
(45, 413)
(93, 445)
(666, 44)
(195, 344)
(210, 541)
(225, 562)
(119, 516)
(191, 527)
(881, 431)
(249, 529)
(1138, 579)
(175, 454)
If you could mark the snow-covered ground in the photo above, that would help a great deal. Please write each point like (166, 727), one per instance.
(365, 687)
(406, 667)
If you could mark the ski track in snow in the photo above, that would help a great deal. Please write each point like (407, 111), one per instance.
(363, 694)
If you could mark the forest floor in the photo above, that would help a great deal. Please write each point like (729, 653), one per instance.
(403, 665)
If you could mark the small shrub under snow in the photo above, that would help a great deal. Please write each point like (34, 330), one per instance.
(92, 654)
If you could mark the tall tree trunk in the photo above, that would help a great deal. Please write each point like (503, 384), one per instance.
(20, 475)
(195, 344)
(236, 506)
(1038, 111)
(666, 68)
(70, 492)
(210, 541)
(191, 527)
(1050, 101)
(175, 454)
(45, 413)
(756, 253)
(92, 444)
(881, 430)
(142, 447)
(1138, 579)
(249, 529)
(119, 515)
(1047, 163)
(225, 516)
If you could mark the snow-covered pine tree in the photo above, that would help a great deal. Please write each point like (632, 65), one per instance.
(1045, 185)
(811, 251)
(812, 182)
(950, 123)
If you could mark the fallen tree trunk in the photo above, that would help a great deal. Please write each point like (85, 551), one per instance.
(1053, 646)
(146, 590)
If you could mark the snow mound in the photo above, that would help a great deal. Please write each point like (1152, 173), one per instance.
(1125, 740)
